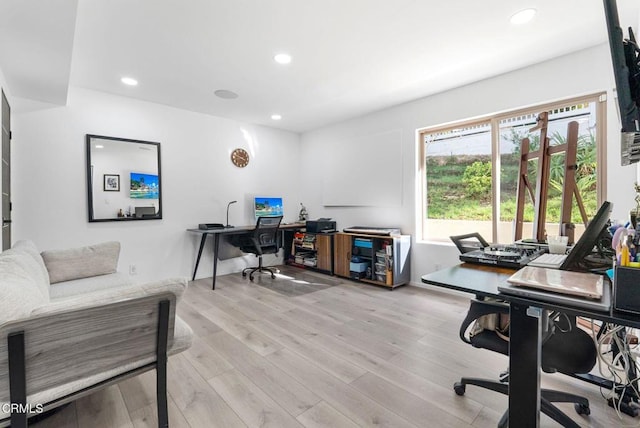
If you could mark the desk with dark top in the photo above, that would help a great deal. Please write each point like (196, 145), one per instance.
(525, 332)
(227, 231)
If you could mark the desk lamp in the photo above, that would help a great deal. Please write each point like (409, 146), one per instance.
(228, 205)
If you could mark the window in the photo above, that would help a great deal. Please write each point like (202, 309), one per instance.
(470, 171)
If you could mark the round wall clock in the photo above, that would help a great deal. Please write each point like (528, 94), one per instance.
(240, 158)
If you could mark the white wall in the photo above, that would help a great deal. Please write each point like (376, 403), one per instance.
(585, 72)
(198, 179)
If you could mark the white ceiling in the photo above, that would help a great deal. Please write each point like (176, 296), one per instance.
(350, 57)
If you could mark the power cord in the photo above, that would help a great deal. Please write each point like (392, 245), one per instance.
(617, 368)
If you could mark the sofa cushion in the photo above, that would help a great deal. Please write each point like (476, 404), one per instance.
(75, 263)
(31, 267)
(110, 295)
(182, 337)
(76, 287)
(30, 248)
(20, 291)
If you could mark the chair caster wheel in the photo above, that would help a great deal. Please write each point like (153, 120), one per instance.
(273, 276)
(250, 277)
(459, 388)
(582, 409)
(244, 274)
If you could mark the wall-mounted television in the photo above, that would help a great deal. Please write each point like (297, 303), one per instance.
(626, 68)
(267, 206)
(144, 186)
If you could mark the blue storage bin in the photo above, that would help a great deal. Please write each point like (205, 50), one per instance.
(363, 242)
(358, 267)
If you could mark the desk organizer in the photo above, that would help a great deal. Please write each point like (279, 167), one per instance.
(626, 289)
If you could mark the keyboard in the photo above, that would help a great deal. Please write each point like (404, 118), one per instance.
(382, 231)
(552, 261)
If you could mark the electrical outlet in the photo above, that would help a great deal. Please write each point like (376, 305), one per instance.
(133, 270)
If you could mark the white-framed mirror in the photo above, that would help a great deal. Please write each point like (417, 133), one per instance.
(123, 179)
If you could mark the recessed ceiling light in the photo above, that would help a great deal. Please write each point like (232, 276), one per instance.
(523, 16)
(129, 81)
(226, 94)
(276, 117)
(282, 58)
(99, 146)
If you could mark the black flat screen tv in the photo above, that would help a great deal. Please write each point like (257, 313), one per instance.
(625, 56)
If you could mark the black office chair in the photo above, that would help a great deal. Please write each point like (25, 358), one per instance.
(264, 240)
(566, 349)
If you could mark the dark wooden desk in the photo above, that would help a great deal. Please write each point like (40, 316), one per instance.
(227, 231)
(525, 333)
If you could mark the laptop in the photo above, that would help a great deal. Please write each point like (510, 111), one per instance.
(584, 290)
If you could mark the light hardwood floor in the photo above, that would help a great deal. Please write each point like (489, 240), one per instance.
(310, 350)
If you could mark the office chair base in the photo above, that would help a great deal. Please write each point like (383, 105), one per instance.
(581, 409)
(259, 269)
(460, 387)
(547, 396)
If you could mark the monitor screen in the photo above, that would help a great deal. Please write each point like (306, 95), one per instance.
(267, 206)
(144, 186)
(588, 240)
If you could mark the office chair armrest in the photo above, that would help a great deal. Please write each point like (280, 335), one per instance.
(477, 309)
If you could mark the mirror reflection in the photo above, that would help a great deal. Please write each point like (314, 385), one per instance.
(123, 179)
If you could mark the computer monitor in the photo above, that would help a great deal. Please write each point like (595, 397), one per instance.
(142, 212)
(576, 259)
(267, 206)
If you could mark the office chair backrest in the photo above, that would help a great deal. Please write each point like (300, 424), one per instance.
(266, 233)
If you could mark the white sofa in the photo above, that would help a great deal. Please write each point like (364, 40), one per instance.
(71, 324)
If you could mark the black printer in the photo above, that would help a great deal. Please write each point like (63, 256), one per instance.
(322, 225)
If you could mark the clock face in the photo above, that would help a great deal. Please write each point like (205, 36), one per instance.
(240, 158)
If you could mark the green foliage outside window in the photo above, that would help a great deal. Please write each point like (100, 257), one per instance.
(459, 187)
(477, 179)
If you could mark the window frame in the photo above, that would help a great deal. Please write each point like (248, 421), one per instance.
(600, 100)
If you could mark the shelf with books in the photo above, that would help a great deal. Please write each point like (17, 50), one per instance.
(312, 250)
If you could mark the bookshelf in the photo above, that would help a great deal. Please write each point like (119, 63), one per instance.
(312, 251)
